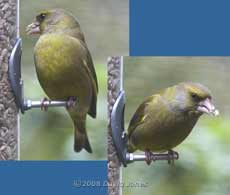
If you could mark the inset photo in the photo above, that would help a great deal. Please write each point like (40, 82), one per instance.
(169, 121)
(63, 68)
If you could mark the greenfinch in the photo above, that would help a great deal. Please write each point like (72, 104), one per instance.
(65, 68)
(165, 119)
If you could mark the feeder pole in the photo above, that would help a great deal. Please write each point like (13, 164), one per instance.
(9, 117)
(115, 82)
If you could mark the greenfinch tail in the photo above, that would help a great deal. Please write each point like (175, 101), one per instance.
(80, 135)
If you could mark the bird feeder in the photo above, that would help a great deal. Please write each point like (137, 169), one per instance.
(17, 83)
(120, 137)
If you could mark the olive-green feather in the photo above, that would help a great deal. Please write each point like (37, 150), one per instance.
(166, 118)
(93, 107)
(65, 69)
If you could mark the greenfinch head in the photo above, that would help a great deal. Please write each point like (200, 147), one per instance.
(195, 98)
(55, 21)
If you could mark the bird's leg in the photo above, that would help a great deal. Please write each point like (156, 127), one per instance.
(148, 157)
(44, 107)
(71, 103)
(171, 154)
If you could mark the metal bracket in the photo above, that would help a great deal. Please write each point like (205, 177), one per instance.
(17, 82)
(120, 137)
(117, 125)
(15, 73)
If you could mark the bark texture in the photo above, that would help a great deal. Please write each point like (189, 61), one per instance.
(8, 109)
(114, 176)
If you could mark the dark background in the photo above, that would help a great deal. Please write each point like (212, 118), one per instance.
(179, 28)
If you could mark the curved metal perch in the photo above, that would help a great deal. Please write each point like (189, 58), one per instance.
(120, 139)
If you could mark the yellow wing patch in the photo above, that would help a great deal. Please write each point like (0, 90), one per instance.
(143, 118)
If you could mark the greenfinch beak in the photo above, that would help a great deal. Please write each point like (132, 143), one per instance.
(33, 28)
(207, 107)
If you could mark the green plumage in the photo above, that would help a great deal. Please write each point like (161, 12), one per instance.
(65, 68)
(165, 119)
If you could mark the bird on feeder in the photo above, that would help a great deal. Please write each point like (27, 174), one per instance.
(165, 119)
(65, 68)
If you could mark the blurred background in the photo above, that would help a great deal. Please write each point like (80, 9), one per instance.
(49, 135)
(204, 164)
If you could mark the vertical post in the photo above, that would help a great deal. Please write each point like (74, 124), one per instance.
(115, 83)
(8, 111)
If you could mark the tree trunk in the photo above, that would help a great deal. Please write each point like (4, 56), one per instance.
(8, 109)
(114, 85)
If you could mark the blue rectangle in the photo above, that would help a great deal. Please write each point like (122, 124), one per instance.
(179, 28)
(53, 177)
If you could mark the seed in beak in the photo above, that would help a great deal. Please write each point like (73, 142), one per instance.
(215, 112)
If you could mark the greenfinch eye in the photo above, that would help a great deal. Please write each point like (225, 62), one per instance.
(195, 97)
(41, 17)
